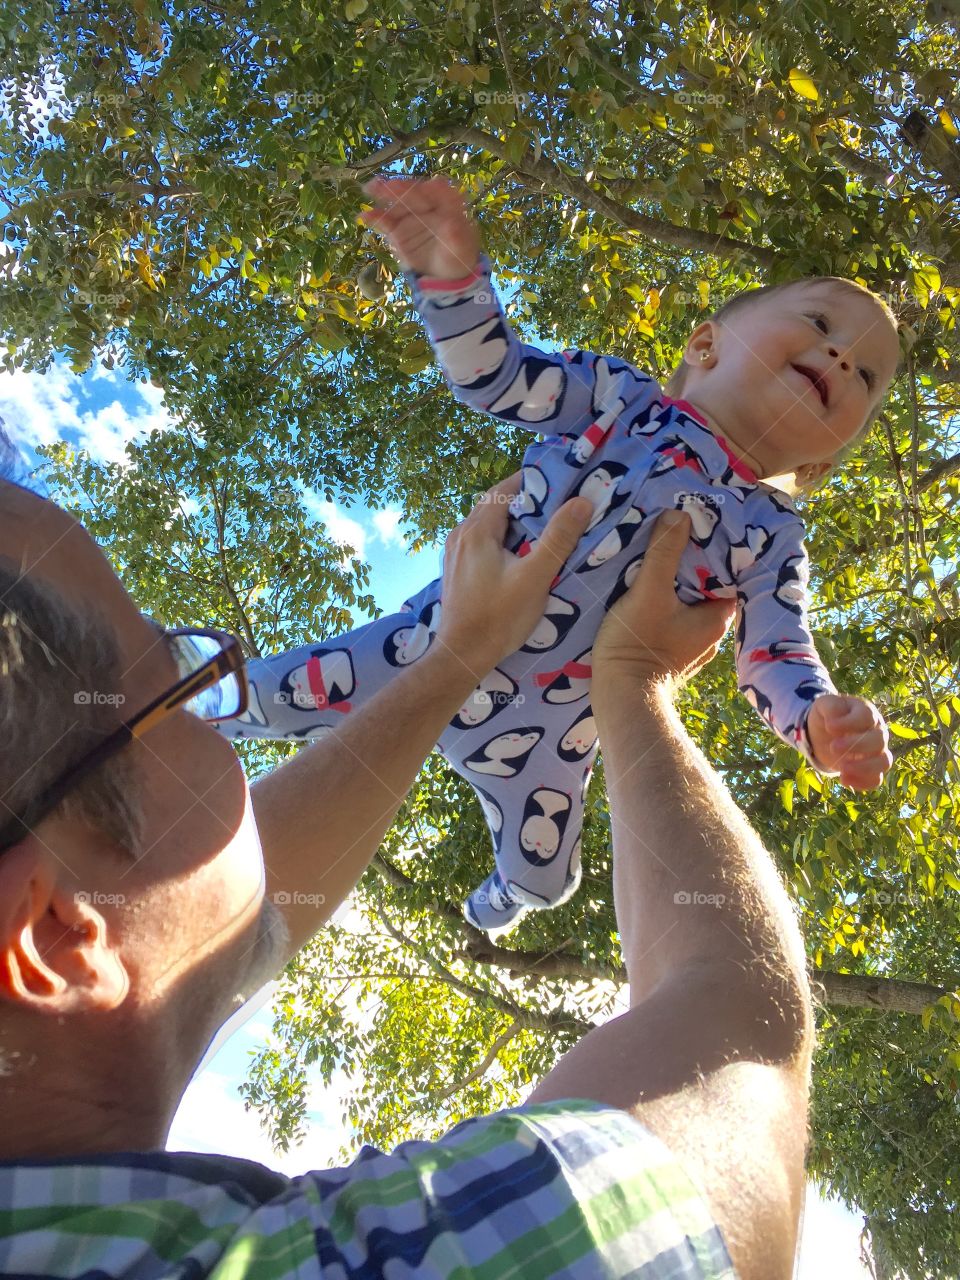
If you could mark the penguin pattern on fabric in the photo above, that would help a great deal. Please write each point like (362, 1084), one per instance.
(525, 738)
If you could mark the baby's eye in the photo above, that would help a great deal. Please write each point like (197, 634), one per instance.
(868, 377)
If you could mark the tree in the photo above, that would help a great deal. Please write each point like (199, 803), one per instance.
(182, 189)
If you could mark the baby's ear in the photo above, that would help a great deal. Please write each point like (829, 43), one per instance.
(786, 482)
(809, 476)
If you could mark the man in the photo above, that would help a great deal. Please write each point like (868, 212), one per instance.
(115, 971)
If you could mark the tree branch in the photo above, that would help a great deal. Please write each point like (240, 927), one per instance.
(932, 146)
(890, 995)
(293, 345)
(528, 1019)
(849, 990)
(213, 285)
(537, 173)
(482, 1067)
(220, 524)
(939, 471)
(505, 55)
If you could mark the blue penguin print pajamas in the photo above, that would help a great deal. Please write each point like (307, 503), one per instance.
(525, 739)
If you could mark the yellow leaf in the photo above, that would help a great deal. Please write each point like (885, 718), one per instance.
(144, 269)
(950, 879)
(703, 289)
(801, 83)
(786, 794)
(902, 730)
(460, 73)
(706, 146)
(947, 121)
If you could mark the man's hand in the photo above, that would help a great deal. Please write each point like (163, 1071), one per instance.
(848, 734)
(492, 600)
(649, 633)
(426, 224)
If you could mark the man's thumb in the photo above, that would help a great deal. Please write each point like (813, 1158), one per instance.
(667, 541)
(565, 529)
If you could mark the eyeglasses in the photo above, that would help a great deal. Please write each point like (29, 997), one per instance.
(212, 685)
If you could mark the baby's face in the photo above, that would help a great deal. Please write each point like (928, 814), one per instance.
(754, 385)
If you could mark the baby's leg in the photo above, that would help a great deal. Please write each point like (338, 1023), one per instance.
(304, 692)
(535, 819)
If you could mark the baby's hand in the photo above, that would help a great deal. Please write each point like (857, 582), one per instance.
(426, 224)
(849, 734)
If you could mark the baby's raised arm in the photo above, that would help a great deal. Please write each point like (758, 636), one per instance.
(426, 224)
(783, 677)
(484, 362)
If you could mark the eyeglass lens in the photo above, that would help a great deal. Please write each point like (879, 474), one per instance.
(217, 702)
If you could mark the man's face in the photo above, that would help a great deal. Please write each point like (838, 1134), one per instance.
(187, 924)
(759, 385)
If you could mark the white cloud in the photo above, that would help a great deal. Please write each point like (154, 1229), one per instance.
(339, 525)
(41, 408)
(104, 432)
(38, 407)
(387, 526)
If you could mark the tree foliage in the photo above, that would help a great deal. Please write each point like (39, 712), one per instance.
(182, 185)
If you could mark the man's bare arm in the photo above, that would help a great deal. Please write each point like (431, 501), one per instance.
(714, 1054)
(322, 815)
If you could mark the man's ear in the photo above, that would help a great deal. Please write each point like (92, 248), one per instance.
(56, 952)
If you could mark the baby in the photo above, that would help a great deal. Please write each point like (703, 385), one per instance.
(779, 381)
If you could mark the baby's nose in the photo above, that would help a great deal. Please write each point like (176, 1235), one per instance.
(835, 355)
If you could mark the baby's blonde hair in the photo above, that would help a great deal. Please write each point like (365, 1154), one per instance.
(675, 384)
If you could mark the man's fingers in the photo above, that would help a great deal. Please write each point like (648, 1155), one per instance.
(713, 617)
(565, 529)
(497, 499)
(669, 537)
(492, 509)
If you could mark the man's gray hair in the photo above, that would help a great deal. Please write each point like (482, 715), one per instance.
(59, 681)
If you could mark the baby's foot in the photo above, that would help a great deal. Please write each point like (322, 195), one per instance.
(493, 907)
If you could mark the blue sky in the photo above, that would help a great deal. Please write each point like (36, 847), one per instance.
(101, 411)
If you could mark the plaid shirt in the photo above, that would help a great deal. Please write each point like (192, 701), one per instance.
(571, 1189)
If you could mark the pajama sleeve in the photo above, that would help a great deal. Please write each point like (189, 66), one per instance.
(778, 667)
(488, 368)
